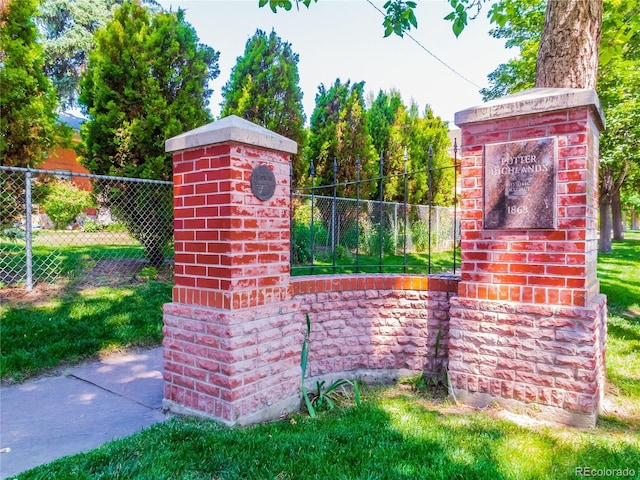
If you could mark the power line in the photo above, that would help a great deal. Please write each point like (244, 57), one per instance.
(431, 53)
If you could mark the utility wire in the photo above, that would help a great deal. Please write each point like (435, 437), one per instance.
(430, 53)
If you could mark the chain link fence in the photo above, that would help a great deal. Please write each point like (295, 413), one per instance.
(59, 226)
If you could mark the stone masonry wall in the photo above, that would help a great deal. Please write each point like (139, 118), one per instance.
(243, 366)
(376, 326)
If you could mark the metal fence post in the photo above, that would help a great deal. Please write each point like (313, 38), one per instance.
(312, 171)
(380, 218)
(333, 211)
(456, 231)
(430, 202)
(357, 213)
(404, 236)
(27, 230)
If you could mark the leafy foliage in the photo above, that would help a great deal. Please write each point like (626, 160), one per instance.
(27, 99)
(67, 27)
(264, 89)
(404, 139)
(399, 15)
(147, 80)
(64, 201)
(339, 130)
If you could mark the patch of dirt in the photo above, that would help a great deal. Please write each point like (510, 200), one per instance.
(41, 293)
(102, 273)
(111, 273)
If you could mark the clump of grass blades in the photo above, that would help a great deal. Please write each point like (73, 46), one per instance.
(393, 435)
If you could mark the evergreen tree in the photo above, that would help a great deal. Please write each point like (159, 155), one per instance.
(339, 129)
(146, 81)
(430, 132)
(382, 114)
(264, 89)
(27, 99)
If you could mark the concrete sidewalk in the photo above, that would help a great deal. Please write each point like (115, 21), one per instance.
(51, 417)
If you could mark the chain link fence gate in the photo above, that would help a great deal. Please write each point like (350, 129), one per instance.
(59, 226)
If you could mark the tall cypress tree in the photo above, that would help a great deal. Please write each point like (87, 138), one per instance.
(147, 81)
(264, 89)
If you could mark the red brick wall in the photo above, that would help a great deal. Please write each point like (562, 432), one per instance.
(529, 324)
(231, 249)
(553, 267)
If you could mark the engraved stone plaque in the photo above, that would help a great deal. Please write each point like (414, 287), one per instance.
(520, 185)
(263, 182)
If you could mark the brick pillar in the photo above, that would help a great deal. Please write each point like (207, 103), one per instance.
(528, 327)
(231, 347)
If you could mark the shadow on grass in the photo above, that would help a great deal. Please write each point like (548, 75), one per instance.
(80, 325)
(385, 438)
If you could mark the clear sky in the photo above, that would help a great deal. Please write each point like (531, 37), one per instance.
(344, 39)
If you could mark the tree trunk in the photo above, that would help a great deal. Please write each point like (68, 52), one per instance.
(568, 52)
(616, 216)
(635, 219)
(605, 224)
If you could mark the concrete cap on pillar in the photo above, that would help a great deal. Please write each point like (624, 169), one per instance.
(532, 101)
(231, 129)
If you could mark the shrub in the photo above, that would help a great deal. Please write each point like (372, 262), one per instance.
(64, 202)
(420, 234)
(91, 227)
(388, 241)
(301, 243)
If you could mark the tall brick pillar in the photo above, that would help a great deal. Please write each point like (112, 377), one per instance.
(528, 327)
(230, 344)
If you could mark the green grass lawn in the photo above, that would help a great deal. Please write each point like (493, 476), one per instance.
(75, 326)
(417, 263)
(394, 434)
(397, 433)
(619, 274)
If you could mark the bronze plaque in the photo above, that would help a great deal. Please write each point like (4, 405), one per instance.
(263, 182)
(520, 185)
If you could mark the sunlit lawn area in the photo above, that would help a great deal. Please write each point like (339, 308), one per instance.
(78, 325)
(398, 433)
(417, 263)
(619, 274)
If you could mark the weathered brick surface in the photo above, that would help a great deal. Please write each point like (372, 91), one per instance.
(548, 266)
(529, 324)
(399, 325)
(231, 249)
(232, 364)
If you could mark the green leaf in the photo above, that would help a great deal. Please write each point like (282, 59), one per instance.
(458, 27)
